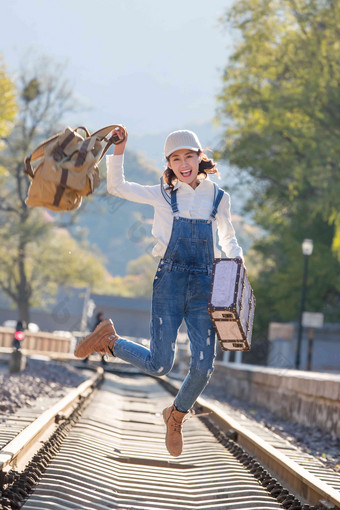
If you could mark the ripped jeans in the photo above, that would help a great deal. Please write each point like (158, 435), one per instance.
(179, 292)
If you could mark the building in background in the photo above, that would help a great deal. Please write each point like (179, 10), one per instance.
(130, 315)
(323, 352)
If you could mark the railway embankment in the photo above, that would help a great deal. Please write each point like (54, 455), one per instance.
(306, 398)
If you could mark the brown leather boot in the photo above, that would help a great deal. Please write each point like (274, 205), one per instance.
(101, 340)
(173, 420)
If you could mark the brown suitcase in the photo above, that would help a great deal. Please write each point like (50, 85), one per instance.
(231, 304)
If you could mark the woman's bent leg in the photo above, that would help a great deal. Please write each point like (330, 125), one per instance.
(157, 360)
(166, 317)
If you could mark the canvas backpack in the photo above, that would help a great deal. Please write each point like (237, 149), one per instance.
(67, 167)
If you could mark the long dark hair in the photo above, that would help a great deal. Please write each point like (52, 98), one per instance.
(206, 166)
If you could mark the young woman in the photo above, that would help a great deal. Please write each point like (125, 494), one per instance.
(189, 211)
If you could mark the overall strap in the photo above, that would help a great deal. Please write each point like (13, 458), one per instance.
(218, 195)
(174, 205)
(171, 200)
(164, 193)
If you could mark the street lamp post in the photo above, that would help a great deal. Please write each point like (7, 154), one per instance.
(307, 250)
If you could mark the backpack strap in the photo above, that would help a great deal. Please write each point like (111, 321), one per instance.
(61, 187)
(58, 152)
(36, 154)
(100, 134)
(85, 129)
(114, 139)
(82, 152)
(39, 151)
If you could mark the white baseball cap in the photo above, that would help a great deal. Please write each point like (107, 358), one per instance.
(183, 139)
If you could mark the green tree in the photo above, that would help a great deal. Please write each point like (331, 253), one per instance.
(139, 279)
(280, 107)
(36, 257)
(281, 103)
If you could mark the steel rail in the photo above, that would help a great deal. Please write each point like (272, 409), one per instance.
(305, 484)
(22, 445)
(115, 457)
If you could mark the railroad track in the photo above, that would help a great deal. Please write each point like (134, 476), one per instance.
(103, 448)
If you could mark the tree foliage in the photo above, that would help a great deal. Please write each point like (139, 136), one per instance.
(281, 92)
(280, 107)
(36, 257)
(138, 281)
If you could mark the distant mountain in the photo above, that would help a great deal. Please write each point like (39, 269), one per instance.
(120, 229)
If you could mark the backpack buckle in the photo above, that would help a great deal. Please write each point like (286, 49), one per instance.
(58, 153)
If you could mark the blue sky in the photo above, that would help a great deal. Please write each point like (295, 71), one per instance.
(153, 65)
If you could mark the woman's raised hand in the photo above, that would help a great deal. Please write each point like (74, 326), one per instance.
(120, 148)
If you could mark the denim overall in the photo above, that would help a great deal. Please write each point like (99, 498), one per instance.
(181, 291)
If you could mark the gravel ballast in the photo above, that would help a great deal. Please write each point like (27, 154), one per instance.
(38, 380)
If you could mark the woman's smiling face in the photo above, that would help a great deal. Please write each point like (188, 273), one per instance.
(184, 163)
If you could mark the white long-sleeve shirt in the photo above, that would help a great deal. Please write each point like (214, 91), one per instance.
(192, 203)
